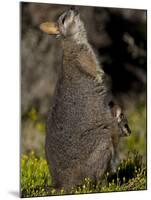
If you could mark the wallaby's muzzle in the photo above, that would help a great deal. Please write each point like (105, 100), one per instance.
(64, 25)
(50, 28)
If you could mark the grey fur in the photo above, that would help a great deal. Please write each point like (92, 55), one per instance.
(82, 135)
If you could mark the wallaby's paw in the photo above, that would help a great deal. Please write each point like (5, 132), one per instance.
(98, 86)
(98, 82)
(98, 89)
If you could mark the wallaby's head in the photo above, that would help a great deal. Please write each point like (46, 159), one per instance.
(122, 121)
(68, 24)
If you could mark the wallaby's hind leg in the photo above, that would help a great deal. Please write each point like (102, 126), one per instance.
(56, 183)
(72, 177)
(100, 160)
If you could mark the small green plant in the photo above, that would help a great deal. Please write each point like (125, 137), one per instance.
(35, 177)
(137, 140)
(36, 180)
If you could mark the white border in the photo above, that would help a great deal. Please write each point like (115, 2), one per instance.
(105, 3)
(9, 99)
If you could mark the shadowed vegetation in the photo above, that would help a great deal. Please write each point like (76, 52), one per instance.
(36, 180)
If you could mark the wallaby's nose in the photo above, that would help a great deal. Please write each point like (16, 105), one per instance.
(75, 9)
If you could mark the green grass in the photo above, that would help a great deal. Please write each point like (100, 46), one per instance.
(36, 180)
(35, 175)
(131, 171)
(137, 140)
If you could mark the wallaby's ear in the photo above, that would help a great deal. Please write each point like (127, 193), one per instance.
(50, 28)
(115, 110)
(118, 112)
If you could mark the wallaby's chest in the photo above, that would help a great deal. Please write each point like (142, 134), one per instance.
(78, 106)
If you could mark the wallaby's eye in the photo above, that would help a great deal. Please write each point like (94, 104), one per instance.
(121, 115)
(126, 126)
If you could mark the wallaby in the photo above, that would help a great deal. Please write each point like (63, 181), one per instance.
(81, 132)
(124, 130)
(122, 121)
